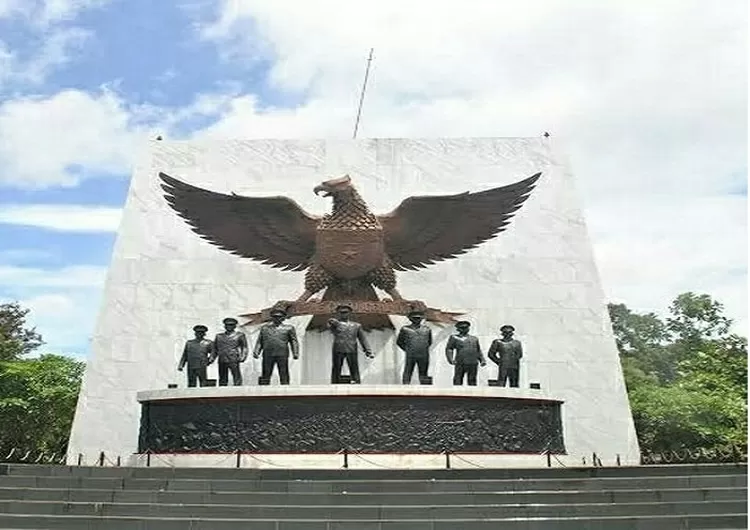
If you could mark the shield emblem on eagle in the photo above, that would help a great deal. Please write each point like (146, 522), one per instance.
(349, 254)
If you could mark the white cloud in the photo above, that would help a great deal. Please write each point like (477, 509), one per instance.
(64, 318)
(56, 51)
(43, 13)
(62, 217)
(103, 134)
(649, 250)
(24, 255)
(63, 302)
(20, 278)
(53, 42)
(11, 7)
(58, 140)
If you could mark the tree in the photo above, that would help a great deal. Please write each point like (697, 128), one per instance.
(673, 418)
(38, 402)
(686, 377)
(642, 340)
(39, 396)
(15, 338)
(696, 319)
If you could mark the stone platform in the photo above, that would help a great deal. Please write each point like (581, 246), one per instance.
(361, 419)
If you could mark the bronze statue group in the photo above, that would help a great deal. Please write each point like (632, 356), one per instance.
(277, 339)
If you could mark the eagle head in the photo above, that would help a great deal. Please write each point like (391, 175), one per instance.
(340, 187)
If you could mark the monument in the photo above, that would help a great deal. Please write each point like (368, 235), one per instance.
(538, 274)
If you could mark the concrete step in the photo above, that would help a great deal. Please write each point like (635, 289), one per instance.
(657, 522)
(432, 512)
(382, 498)
(371, 474)
(389, 486)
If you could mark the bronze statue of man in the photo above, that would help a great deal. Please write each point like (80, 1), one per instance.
(415, 340)
(197, 355)
(275, 339)
(346, 335)
(230, 347)
(468, 354)
(506, 353)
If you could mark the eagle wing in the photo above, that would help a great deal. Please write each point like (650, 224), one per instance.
(273, 230)
(426, 229)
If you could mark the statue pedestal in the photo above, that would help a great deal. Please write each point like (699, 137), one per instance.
(356, 419)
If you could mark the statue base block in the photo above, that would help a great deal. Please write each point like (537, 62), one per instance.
(354, 418)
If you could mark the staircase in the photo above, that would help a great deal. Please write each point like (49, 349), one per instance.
(611, 498)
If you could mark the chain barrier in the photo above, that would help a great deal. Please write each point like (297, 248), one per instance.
(383, 466)
(701, 455)
(558, 460)
(467, 461)
(16, 455)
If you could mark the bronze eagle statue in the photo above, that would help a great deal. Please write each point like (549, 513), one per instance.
(349, 250)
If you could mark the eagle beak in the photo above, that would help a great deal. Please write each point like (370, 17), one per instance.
(321, 188)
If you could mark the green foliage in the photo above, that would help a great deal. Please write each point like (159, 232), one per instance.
(38, 402)
(37, 396)
(671, 417)
(686, 377)
(644, 340)
(15, 338)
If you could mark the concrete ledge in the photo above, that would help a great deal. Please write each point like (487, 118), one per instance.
(344, 391)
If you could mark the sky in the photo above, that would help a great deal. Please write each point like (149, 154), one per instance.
(648, 100)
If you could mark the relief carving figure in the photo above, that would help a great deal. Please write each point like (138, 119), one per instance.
(346, 335)
(230, 347)
(351, 250)
(415, 340)
(275, 339)
(468, 354)
(197, 355)
(506, 352)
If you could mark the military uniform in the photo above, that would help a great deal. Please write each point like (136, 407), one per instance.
(196, 355)
(346, 335)
(416, 342)
(506, 354)
(468, 356)
(231, 350)
(274, 341)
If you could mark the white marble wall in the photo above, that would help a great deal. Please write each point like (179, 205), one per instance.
(538, 275)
